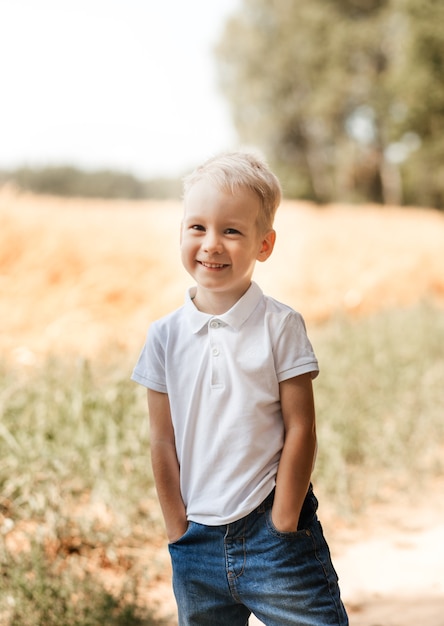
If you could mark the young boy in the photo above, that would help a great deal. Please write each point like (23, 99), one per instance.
(233, 440)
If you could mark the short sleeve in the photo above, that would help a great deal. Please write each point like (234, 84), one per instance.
(293, 352)
(150, 367)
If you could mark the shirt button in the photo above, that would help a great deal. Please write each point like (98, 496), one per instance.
(214, 324)
(215, 352)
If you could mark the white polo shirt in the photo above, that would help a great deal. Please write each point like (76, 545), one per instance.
(222, 375)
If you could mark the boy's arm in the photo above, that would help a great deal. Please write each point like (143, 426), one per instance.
(165, 465)
(298, 453)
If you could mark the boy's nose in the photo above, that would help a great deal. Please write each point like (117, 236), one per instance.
(212, 243)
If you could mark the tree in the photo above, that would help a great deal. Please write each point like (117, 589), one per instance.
(72, 181)
(420, 97)
(319, 87)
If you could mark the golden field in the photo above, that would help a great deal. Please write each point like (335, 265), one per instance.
(85, 278)
(88, 276)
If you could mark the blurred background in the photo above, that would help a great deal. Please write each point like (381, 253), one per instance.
(345, 98)
(106, 85)
(105, 106)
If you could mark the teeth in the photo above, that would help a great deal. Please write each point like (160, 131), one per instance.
(212, 265)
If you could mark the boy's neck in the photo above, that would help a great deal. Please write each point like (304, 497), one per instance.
(215, 303)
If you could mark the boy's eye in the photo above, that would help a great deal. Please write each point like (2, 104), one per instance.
(197, 227)
(232, 231)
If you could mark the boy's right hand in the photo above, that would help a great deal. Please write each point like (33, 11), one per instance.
(174, 533)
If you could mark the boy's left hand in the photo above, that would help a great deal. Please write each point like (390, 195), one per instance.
(284, 524)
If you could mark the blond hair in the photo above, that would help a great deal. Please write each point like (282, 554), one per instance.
(231, 170)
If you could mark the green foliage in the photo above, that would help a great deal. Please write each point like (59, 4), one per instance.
(334, 92)
(71, 181)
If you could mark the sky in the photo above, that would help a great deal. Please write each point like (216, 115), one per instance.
(122, 84)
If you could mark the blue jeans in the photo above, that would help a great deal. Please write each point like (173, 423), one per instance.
(222, 574)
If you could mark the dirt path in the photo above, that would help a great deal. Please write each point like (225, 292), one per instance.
(391, 566)
(395, 579)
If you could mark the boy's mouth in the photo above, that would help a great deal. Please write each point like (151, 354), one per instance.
(213, 266)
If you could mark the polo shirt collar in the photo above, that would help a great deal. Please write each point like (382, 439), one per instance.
(235, 317)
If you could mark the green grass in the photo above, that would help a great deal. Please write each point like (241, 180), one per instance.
(66, 430)
(75, 484)
(380, 404)
(75, 479)
(36, 592)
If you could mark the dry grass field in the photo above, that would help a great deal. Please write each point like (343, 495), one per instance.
(89, 276)
(83, 278)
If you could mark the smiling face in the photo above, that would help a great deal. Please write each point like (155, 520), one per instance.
(221, 242)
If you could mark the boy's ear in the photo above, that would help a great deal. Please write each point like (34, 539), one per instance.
(267, 245)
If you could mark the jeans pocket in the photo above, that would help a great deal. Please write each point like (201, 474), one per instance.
(174, 543)
(308, 511)
(306, 517)
(279, 533)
